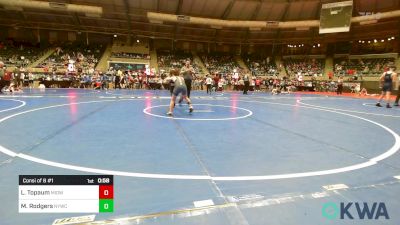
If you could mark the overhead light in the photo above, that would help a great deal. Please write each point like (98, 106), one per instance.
(369, 42)
(137, 41)
(389, 39)
(115, 35)
(375, 41)
(359, 41)
(382, 40)
(319, 45)
(392, 38)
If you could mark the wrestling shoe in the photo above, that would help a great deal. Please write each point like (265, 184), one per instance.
(378, 104)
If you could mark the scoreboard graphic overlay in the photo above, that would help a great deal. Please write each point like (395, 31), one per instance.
(66, 193)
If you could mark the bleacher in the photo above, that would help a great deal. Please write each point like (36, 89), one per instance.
(133, 57)
(361, 66)
(137, 48)
(261, 66)
(167, 60)
(85, 56)
(220, 63)
(305, 66)
(19, 53)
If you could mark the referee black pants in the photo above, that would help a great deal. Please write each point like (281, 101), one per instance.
(188, 86)
(246, 87)
(339, 90)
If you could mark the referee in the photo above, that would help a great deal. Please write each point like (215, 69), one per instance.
(187, 72)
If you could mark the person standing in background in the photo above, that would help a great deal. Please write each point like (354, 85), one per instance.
(258, 84)
(208, 83)
(140, 78)
(246, 79)
(16, 77)
(21, 77)
(330, 75)
(339, 90)
(387, 80)
(216, 81)
(117, 81)
(31, 79)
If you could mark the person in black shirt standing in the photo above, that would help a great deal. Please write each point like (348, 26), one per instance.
(339, 89)
(246, 79)
(387, 79)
